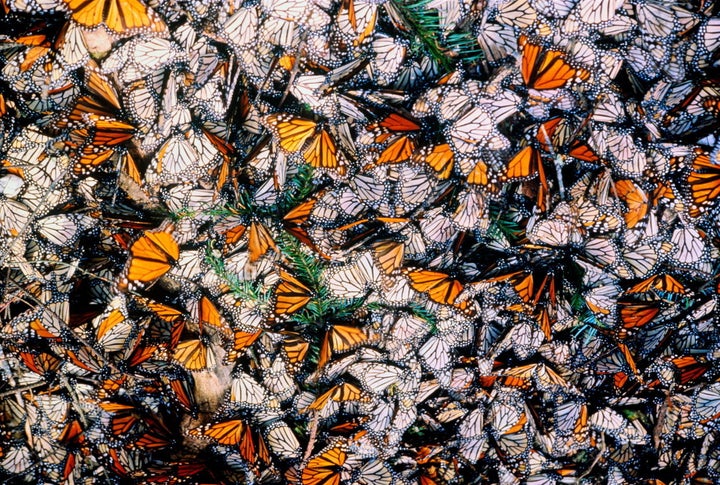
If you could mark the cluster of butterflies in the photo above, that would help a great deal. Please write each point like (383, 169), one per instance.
(330, 242)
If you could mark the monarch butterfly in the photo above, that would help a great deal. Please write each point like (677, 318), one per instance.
(439, 157)
(389, 255)
(704, 180)
(478, 172)
(543, 375)
(690, 368)
(635, 199)
(242, 340)
(374, 376)
(400, 130)
(101, 101)
(119, 16)
(546, 69)
(474, 438)
(355, 279)
(527, 163)
(340, 338)
(516, 13)
(184, 157)
(282, 440)
(194, 355)
(356, 20)
(18, 459)
(389, 56)
(127, 462)
(93, 145)
(260, 241)
(393, 123)
(635, 315)
(398, 151)
(297, 219)
(436, 353)
(440, 287)
(471, 130)
(209, 314)
(626, 155)
(295, 133)
(641, 260)
(72, 433)
(247, 391)
(507, 416)
(325, 467)
(236, 432)
(240, 29)
(558, 135)
(595, 12)
(85, 358)
(294, 347)
(608, 421)
(415, 187)
(688, 245)
(124, 417)
(338, 394)
(181, 389)
(375, 472)
(290, 295)
(471, 213)
(496, 41)
(141, 353)
(64, 229)
(555, 232)
(662, 284)
(151, 256)
(156, 434)
(39, 362)
(706, 403)
(113, 330)
(438, 228)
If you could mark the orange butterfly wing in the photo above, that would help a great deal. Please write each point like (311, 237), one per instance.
(209, 314)
(194, 355)
(524, 164)
(290, 295)
(704, 180)
(324, 468)
(114, 318)
(635, 199)
(396, 122)
(295, 347)
(438, 286)
(637, 315)
(479, 174)
(322, 152)
(389, 255)
(292, 132)
(398, 151)
(119, 15)
(546, 69)
(245, 339)
(152, 256)
(340, 393)
(340, 338)
(260, 241)
(229, 433)
(440, 158)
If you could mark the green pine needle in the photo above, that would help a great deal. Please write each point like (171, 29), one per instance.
(446, 50)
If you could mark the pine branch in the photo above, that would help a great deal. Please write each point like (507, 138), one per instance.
(446, 49)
